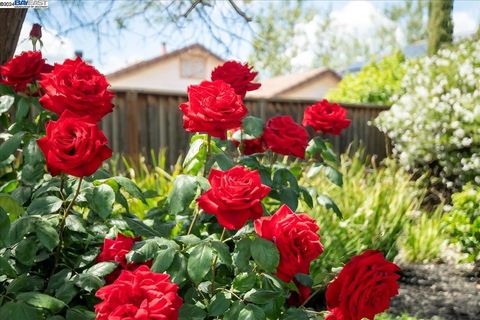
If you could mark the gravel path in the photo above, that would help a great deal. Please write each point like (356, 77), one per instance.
(438, 291)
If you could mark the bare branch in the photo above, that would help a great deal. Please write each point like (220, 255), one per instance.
(194, 4)
(239, 11)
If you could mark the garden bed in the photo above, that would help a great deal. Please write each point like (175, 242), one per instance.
(442, 291)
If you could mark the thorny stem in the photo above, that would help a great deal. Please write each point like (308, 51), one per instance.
(311, 296)
(62, 224)
(209, 140)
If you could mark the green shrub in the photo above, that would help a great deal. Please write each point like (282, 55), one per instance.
(463, 222)
(376, 203)
(424, 238)
(434, 125)
(376, 83)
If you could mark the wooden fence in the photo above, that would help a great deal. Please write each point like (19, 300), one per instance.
(144, 121)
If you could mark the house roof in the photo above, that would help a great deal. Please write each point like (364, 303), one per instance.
(277, 85)
(148, 63)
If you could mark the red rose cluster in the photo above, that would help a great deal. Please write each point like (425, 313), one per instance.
(363, 288)
(216, 106)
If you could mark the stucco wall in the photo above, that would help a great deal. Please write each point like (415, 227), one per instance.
(312, 90)
(164, 75)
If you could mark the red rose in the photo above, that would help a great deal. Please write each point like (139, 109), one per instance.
(74, 145)
(364, 287)
(234, 197)
(36, 31)
(213, 108)
(326, 117)
(296, 238)
(239, 76)
(77, 87)
(284, 136)
(139, 295)
(249, 145)
(115, 250)
(23, 69)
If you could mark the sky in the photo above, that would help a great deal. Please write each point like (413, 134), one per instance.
(115, 51)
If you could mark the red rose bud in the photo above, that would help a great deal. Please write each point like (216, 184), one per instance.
(22, 70)
(326, 117)
(239, 76)
(284, 136)
(363, 288)
(140, 294)
(248, 144)
(115, 250)
(73, 145)
(77, 87)
(297, 240)
(234, 197)
(36, 31)
(212, 108)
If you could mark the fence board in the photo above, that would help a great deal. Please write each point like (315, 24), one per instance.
(152, 120)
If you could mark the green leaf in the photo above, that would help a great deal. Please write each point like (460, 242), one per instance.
(196, 156)
(295, 314)
(6, 268)
(42, 301)
(265, 254)
(45, 205)
(219, 304)
(11, 206)
(79, 313)
(328, 203)
(304, 279)
(6, 103)
(140, 228)
(260, 296)
(58, 279)
(26, 251)
(251, 312)
(253, 126)
(9, 147)
(242, 254)
(223, 252)
(199, 262)
(6, 89)
(88, 282)
(244, 281)
(47, 235)
(131, 188)
(289, 197)
(182, 194)
(23, 108)
(102, 269)
(20, 228)
(178, 269)
(191, 312)
(146, 252)
(163, 260)
(67, 292)
(234, 310)
(19, 311)
(283, 178)
(75, 223)
(333, 175)
(306, 196)
(223, 161)
(103, 198)
(4, 227)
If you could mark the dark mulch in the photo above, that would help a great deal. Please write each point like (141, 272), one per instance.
(438, 290)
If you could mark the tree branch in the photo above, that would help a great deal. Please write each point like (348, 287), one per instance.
(240, 12)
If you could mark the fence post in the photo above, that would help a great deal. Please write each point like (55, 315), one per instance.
(132, 123)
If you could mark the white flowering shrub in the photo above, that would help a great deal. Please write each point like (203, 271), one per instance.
(435, 124)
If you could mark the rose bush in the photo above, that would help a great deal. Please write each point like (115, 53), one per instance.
(230, 246)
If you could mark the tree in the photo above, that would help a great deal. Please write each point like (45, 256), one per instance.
(11, 21)
(440, 24)
(275, 44)
(410, 16)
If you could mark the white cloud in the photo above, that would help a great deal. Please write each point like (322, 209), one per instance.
(463, 24)
(55, 48)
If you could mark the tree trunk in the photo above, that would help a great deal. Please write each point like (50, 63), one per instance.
(440, 24)
(11, 21)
